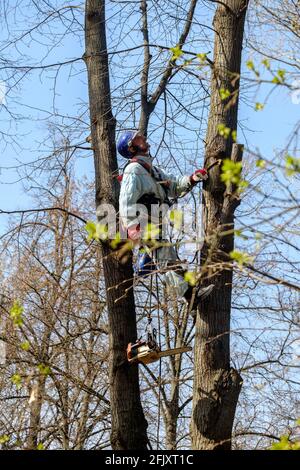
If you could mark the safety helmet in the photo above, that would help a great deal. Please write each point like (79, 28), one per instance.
(125, 142)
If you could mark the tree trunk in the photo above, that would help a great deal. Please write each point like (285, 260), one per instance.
(216, 384)
(37, 396)
(128, 422)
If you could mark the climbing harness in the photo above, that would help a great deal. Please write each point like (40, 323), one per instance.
(156, 175)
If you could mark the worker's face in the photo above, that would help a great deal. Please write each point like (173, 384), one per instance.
(139, 141)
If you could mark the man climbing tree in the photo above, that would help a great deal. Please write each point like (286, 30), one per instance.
(146, 186)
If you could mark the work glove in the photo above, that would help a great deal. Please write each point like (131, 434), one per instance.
(134, 232)
(198, 175)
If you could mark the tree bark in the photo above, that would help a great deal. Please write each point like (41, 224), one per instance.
(35, 413)
(216, 384)
(129, 426)
(171, 413)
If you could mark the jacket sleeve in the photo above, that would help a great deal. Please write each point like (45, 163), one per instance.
(178, 185)
(131, 191)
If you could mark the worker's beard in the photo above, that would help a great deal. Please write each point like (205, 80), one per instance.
(144, 153)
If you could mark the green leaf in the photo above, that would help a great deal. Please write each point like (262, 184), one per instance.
(176, 218)
(280, 77)
(240, 234)
(96, 231)
(176, 52)
(44, 370)
(224, 131)
(151, 232)
(191, 278)
(243, 185)
(240, 258)
(90, 227)
(16, 312)
(285, 444)
(101, 232)
(40, 446)
(17, 380)
(281, 74)
(25, 345)
(202, 57)
(224, 93)
(117, 240)
(234, 135)
(231, 172)
(4, 438)
(259, 106)
(266, 63)
(260, 163)
(292, 165)
(250, 65)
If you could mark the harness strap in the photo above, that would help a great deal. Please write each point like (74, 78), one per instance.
(151, 332)
(154, 172)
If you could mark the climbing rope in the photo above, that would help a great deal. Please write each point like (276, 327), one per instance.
(151, 332)
(152, 341)
(159, 368)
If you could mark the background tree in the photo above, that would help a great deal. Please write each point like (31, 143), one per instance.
(54, 390)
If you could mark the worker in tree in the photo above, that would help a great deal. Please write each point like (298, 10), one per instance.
(145, 186)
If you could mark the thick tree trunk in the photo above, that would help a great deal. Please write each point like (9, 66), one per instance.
(128, 422)
(216, 384)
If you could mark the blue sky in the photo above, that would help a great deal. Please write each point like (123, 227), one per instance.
(270, 128)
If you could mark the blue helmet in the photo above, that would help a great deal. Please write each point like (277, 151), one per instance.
(124, 143)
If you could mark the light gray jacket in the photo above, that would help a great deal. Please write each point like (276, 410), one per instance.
(137, 182)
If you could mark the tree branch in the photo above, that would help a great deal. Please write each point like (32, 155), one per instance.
(169, 69)
(45, 209)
